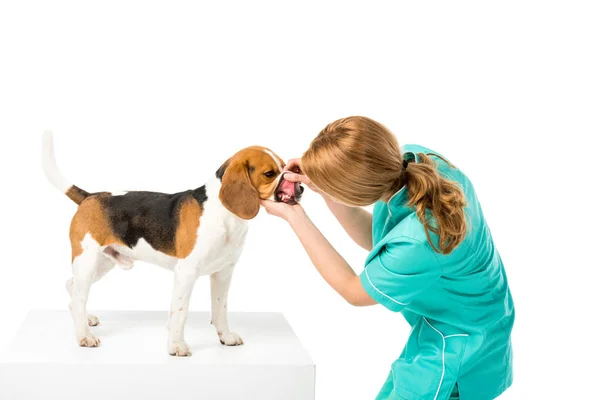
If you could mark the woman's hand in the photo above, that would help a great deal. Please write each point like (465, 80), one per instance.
(282, 210)
(296, 174)
(356, 221)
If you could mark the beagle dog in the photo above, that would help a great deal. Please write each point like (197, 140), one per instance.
(192, 233)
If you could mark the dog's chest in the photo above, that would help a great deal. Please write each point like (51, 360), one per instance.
(220, 241)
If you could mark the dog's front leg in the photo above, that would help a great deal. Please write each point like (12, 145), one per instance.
(219, 290)
(185, 278)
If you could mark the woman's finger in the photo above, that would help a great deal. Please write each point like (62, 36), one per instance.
(293, 165)
(292, 177)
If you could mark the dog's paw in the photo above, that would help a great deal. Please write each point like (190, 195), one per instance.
(89, 341)
(179, 349)
(230, 339)
(93, 320)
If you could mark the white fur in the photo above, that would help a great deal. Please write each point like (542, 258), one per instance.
(88, 267)
(49, 164)
(221, 236)
(269, 152)
(280, 166)
(142, 251)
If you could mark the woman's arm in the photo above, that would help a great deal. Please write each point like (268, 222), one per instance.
(332, 267)
(357, 222)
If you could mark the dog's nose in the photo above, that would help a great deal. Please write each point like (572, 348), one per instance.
(301, 189)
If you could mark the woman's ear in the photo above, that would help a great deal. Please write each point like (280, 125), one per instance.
(237, 193)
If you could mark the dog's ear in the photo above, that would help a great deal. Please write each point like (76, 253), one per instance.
(237, 193)
(221, 171)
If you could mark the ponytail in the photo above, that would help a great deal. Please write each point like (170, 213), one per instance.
(444, 199)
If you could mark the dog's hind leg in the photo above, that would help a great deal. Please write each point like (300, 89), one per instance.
(86, 268)
(104, 267)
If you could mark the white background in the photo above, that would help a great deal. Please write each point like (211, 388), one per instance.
(154, 96)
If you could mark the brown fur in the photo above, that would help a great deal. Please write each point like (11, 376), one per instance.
(187, 229)
(237, 193)
(245, 183)
(77, 194)
(90, 218)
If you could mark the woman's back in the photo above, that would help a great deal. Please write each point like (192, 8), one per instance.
(473, 276)
(458, 301)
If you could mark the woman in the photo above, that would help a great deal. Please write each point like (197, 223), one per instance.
(431, 257)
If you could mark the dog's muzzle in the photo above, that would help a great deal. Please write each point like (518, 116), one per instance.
(288, 192)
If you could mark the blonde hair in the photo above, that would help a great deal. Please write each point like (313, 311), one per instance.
(358, 161)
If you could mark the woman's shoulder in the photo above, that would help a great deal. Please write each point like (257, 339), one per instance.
(408, 229)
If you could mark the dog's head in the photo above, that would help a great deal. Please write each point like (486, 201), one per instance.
(252, 174)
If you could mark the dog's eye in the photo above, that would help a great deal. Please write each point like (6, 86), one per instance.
(270, 174)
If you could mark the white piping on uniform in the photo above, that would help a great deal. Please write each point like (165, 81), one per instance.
(443, 354)
(443, 358)
(390, 200)
(458, 334)
(380, 292)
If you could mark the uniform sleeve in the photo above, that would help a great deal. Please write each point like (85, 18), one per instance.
(400, 272)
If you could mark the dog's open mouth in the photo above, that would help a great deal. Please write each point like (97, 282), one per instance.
(288, 192)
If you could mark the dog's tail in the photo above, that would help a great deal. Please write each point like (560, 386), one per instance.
(53, 173)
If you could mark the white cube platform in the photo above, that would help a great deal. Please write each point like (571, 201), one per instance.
(45, 362)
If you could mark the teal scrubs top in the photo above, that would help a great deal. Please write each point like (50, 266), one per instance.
(459, 305)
